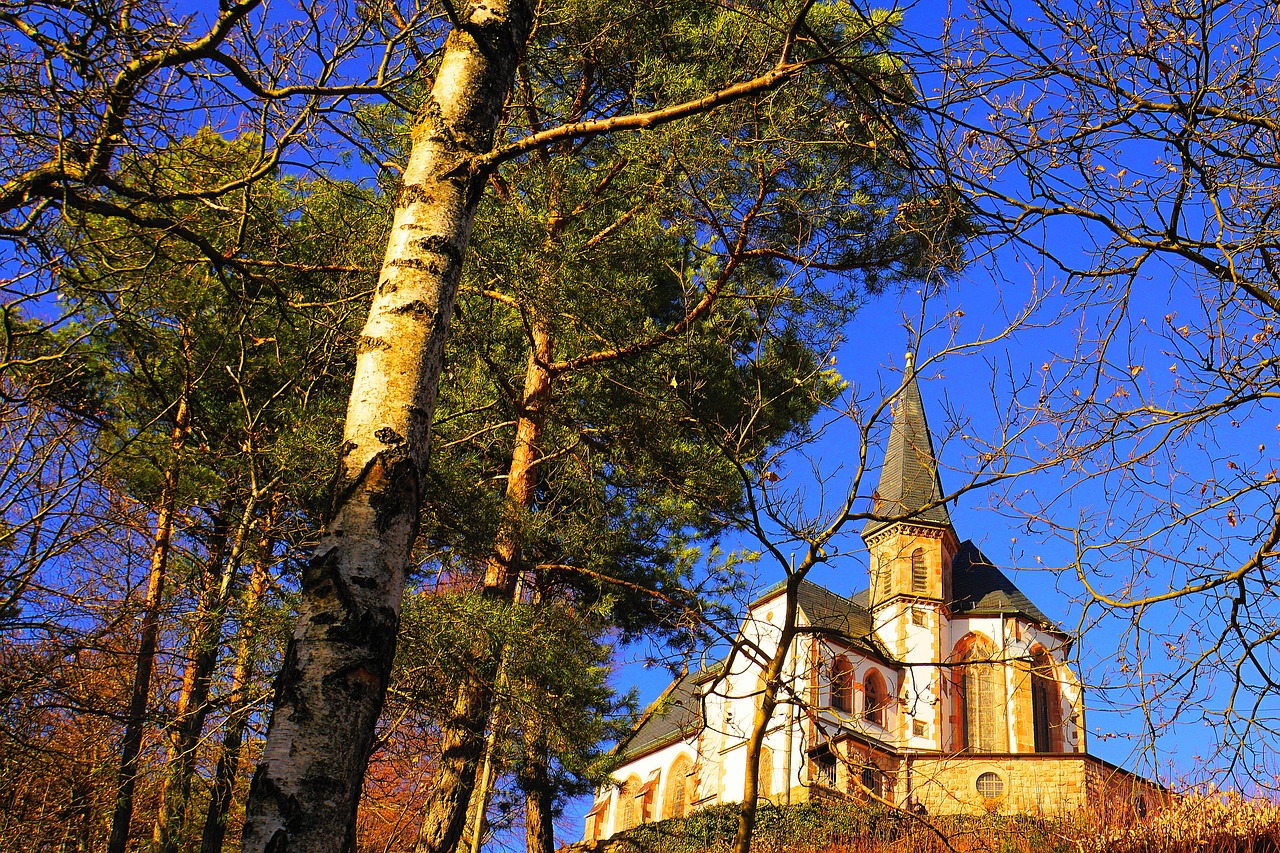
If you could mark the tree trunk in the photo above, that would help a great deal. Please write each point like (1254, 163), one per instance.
(535, 781)
(193, 701)
(462, 733)
(228, 766)
(78, 816)
(764, 713)
(331, 688)
(135, 719)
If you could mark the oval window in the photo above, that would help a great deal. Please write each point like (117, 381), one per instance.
(990, 786)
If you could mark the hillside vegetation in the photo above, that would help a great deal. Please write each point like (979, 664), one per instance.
(1194, 824)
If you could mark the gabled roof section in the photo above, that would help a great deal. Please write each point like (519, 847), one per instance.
(980, 589)
(825, 609)
(909, 479)
(674, 716)
(846, 617)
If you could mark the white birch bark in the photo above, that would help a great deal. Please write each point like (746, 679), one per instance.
(330, 691)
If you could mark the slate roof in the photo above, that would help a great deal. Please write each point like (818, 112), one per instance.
(675, 715)
(826, 609)
(980, 589)
(909, 479)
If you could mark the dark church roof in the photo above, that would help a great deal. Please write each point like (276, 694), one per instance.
(830, 611)
(980, 589)
(674, 716)
(909, 481)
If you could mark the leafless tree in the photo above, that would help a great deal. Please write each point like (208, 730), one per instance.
(1146, 136)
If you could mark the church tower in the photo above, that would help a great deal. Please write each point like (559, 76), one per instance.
(911, 541)
(912, 544)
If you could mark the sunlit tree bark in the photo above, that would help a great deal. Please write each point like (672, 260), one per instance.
(135, 720)
(331, 689)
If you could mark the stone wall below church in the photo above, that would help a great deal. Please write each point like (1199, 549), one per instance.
(1022, 784)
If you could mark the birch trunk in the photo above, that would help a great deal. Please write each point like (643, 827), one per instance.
(228, 766)
(463, 731)
(331, 688)
(149, 637)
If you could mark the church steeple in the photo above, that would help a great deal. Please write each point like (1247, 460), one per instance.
(909, 481)
(912, 547)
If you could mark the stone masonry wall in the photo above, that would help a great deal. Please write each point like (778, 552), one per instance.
(1029, 784)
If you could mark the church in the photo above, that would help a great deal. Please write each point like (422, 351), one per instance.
(940, 688)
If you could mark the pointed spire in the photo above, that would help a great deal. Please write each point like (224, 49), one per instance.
(909, 476)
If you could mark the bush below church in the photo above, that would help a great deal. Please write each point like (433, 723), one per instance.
(1193, 824)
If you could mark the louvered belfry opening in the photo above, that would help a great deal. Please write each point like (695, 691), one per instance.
(919, 574)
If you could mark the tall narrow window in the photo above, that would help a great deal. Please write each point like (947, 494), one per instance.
(982, 697)
(764, 788)
(874, 699)
(886, 577)
(824, 769)
(842, 685)
(627, 803)
(1046, 705)
(873, 779)
(676, 801)
(919, 577)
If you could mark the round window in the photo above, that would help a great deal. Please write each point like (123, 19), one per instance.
(990, 786)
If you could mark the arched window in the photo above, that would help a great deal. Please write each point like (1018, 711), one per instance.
(981, 695)
(919, 575)
(875, 699)
(1046, 704)
(842, 685)
(675, 802)
(627, 804)
(886, 577)
(764, 789)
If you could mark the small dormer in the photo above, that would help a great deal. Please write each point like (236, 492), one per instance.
(910, 540)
